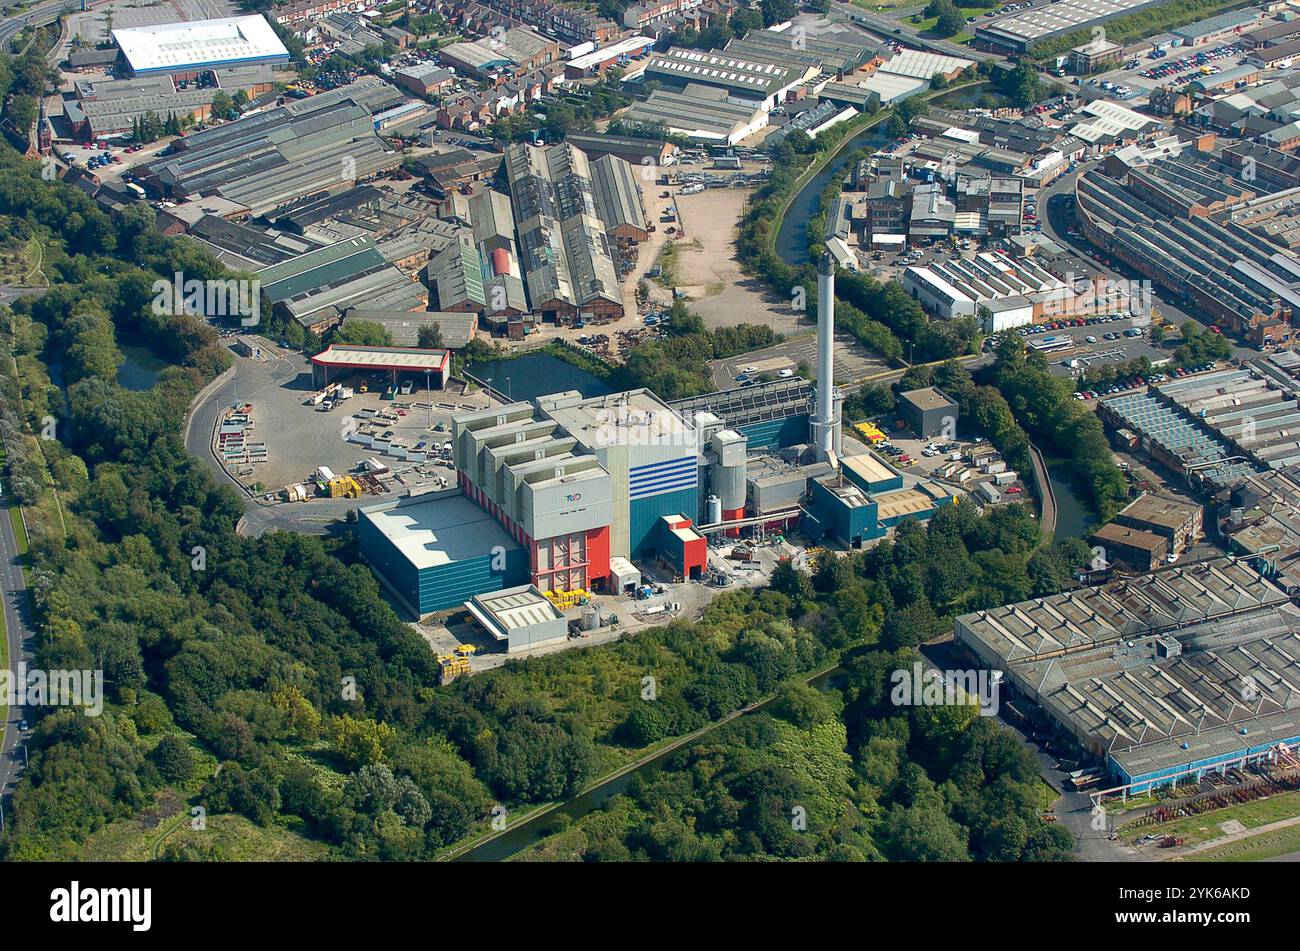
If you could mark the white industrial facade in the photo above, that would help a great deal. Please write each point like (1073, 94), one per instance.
(935, 294)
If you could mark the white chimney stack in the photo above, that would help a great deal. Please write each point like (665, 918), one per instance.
(826, 422)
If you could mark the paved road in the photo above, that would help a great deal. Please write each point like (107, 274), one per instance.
(9, 293)
(20, 640)
(258, 517)
(40, 15)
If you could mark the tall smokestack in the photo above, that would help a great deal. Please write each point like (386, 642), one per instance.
(826, 423)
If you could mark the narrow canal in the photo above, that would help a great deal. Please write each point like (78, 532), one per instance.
(531, 831)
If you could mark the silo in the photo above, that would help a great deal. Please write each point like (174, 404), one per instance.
(728, 475)
(590, 619)
(714, 511)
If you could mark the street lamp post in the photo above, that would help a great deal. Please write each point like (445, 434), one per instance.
(428, 393)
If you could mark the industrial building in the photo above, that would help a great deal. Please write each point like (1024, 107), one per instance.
(634, 150)
(568, 265)
(1007, 292)
(812, 121)
(699, 115)
(1163, 677)
(1021, 31)
(769, 415)
(1250, 410)
(830, 48)
(1169, 221)
(521, 618)
(928, 412)
(1095, 55)
(179, 48)
(618, 199)
(577, 480)
(1216, 29)
(111, 107)
(436, 551)
(430, 367)
(518, 48)
(595, 62)
(1259, 521)
(892, 88)
(326, 142)
(316, 288)
(1177, 521)
(1131, 548)
(424, 79)
(1217, 427)
(864, 499)
(744, 82)
(1174, 439)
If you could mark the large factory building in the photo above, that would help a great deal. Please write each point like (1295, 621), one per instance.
(1163, 677)
(578, 480)
(583, 486)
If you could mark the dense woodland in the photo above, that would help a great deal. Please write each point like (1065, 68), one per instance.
(871, 780)
(272, 684)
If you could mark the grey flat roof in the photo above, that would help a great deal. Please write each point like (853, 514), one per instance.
(438, 531)
(927, 398)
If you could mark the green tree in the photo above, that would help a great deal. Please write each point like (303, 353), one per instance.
(173, 758)
(429, 337)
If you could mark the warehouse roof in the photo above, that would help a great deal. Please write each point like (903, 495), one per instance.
(178, 46)
(683, 112)
(624, 47)
(440, 530)
(1131, 537)
(479, 56)
(742, 75)
(1038, 23)
(618, 200)
(429, 72)
(922, 65)
(404, 326)
(383, 358)
(891, 87)
(1161, 510)
(512, 609)
(1216, 24)
(1163, 600)
(317, 268)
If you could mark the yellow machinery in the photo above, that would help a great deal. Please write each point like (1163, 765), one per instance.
(564, 600)
(344, 487)
(466, 650)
